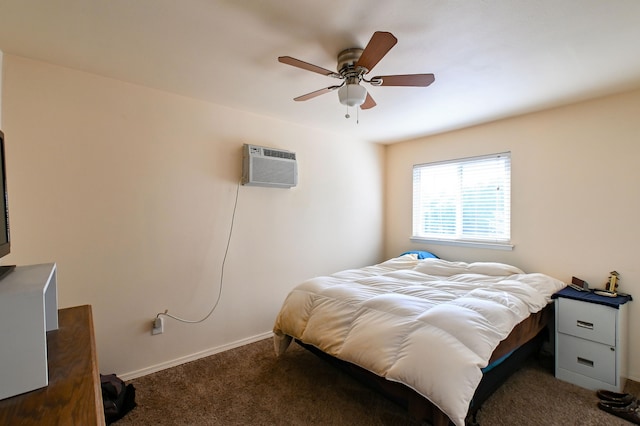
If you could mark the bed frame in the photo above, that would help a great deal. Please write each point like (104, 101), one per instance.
(524, 341)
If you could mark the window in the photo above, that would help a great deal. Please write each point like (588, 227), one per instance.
(465, 201)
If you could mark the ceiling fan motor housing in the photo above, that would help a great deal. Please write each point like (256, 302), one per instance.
(348, 58)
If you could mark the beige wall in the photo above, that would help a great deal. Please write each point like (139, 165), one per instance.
(575, 199)
(131, 191)
(1, 57)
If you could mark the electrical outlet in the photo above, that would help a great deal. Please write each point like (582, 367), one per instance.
(157, 326)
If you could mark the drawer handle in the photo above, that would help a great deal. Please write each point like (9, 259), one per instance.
(584, 324)
(585, 361)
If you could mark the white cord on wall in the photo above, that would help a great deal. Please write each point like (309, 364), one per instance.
(224, 260)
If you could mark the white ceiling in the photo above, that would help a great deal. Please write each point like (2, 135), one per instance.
(491, 58)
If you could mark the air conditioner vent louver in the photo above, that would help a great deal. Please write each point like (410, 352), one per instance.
(268, 167)
(279, 154)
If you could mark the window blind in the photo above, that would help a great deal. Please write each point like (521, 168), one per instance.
(463, 200)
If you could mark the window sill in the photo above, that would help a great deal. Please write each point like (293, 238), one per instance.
(461, 243)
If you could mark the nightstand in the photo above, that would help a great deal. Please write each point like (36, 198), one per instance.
(591, 339)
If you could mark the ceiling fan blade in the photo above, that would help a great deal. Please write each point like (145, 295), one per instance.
(307, 66)
(414, 80)
(316, 93)
(368, 102)
(381, 42)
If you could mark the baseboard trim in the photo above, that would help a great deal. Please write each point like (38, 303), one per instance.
(188, 358)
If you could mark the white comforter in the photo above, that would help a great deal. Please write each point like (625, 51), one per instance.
(430, 324)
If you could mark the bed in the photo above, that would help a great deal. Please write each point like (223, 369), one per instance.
(432, 334)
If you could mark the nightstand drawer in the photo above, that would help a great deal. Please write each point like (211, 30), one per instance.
(587, 358)
(588, 321)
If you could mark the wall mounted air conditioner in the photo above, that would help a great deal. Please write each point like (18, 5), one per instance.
(268, 167)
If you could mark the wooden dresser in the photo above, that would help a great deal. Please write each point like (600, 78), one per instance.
(73, 396)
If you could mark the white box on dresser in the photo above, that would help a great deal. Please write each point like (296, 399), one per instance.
(28, 309)
(591, 340)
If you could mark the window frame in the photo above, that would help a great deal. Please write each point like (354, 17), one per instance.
(459, 239)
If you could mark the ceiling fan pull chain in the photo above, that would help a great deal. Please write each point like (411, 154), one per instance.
(347, 105)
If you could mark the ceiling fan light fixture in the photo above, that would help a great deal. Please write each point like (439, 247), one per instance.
(352, 95)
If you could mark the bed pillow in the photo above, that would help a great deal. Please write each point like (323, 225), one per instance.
(421, 254)
(494, 269)
(446, 268)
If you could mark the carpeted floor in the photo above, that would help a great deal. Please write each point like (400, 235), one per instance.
(250, 386)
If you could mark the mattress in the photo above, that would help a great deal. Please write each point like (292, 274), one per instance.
(429, 324)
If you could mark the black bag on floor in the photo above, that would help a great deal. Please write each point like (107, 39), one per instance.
(118, 398)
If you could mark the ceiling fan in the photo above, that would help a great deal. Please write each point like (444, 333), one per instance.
(353, 64)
